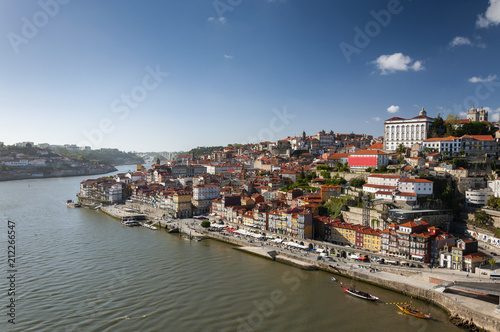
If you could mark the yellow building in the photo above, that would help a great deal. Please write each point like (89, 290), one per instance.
(371, 239)
(182, 204)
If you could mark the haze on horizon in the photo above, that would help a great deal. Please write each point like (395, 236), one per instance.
(170, 76)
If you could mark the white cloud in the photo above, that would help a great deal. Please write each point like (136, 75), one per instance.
(459, 41)
(477, 79)
(491, 17)
(221, 20)
(464, 41)
(228, 56)
(493, 115)
(397, 61)
(377, 118)
(393, 109)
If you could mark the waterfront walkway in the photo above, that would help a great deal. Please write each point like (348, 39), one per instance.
(419, 282)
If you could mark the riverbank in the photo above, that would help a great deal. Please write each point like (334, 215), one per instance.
(421, 283)
(5, 176)
(463, 311)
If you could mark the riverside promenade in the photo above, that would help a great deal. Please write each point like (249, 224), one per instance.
(465, 310)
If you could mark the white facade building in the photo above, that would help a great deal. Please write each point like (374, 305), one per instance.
(207, 191)
(406, 131)
(450, 144)
(417, 186)
(478, 198)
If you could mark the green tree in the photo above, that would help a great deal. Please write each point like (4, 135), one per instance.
(492, 202)
(438, 128)
(358, 182)
(481, 217)
(492, 262)
(205, 224)
(401, 149)
(325, 175)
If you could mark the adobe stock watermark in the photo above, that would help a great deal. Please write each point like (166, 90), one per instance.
(31, 26)
(277, 124)
(363, 37)
(123, 105)
(223, 6)
(482, 92)
(264, 308)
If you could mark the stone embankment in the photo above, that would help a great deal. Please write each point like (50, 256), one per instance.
(464, 311)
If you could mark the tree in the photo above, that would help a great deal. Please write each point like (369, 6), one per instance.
(323, 168)
(493, 202)
(492, 262)
(482, 217)
(358, 182)
(401, 149)
(383, 169)
(205, 224)
(325, 175)
(438, 128)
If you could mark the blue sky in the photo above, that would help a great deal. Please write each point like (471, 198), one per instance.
(172, 75)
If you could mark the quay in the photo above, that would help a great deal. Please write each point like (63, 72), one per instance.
(422, 283)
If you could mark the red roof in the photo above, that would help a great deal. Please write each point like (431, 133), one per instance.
(480, 137)
(441, 139)
(475, 255)
(377, 146)
(416, 180)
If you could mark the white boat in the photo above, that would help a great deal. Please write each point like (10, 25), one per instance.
(130, 222)
(149, 226)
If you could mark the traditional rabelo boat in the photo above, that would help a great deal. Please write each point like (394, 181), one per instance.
(408, 309)
(353, 291)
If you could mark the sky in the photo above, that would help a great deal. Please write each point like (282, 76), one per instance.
(170, 75)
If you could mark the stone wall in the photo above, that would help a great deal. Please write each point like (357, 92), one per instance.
(355, 216)
(466, 314)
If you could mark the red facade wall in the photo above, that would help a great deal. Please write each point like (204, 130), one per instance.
(369, 161)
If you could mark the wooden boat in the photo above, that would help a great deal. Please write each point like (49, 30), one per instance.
(71, 204)
(360, 294)
(408, 309)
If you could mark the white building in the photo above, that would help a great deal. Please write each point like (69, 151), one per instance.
(478, 198)
(452, 145)
(16, 163)
(115, 193)
(206, 191)
(421, 187)
(474, 114)
(381, 182)
(406, 131)
(495, 187)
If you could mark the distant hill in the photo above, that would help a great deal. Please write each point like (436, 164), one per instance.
(201, 150)
(104, 156)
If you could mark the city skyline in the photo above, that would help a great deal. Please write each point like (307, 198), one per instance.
(173, 76)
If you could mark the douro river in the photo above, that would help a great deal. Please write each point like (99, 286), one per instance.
(80, 270)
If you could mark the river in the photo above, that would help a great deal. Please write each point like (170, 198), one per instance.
(80, 270)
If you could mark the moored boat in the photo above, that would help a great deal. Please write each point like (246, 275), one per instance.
(360, 294)
(148, 226)
(71, 204)
(130, 222)
(408, 309)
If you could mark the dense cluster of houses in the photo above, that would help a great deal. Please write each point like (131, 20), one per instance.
(243, 185)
